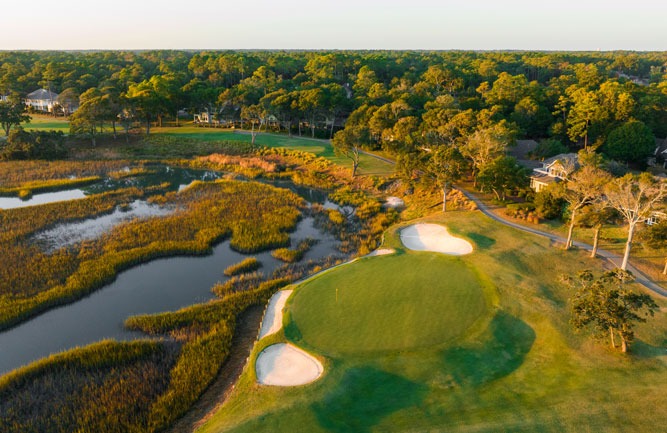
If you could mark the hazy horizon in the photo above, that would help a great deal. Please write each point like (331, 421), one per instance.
(480, 25)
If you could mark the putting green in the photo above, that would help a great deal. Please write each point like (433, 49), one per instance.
(373, 305)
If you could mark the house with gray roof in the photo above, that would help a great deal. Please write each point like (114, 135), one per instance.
(554, 170)
(42, 100)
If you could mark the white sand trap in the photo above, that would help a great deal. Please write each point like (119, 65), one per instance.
(273, 317)
(285, 365)
(434, 237)
(381, 252)
(394, 202)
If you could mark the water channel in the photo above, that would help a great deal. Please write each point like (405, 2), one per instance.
(165, 284)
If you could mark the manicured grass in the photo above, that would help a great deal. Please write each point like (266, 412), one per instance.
(368, 165)
(520, 367)
(612, 239)
(41, 122)
(366, 306)
(46, 123)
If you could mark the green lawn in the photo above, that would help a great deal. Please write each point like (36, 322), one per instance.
(45, 123)
(40, 122)
(367, 165)
(518, 367)
(364, 307)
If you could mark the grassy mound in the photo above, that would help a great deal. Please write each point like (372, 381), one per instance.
(368, 306)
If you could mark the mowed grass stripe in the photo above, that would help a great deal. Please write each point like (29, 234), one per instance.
(372, 305)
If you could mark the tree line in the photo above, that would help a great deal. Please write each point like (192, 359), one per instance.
(399, 101)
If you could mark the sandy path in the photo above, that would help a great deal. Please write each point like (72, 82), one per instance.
(273, 318)
(434, 237)
(286, 365)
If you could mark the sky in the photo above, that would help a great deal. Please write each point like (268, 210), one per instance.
(335, 24)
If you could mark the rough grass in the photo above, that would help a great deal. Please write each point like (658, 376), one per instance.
(104, 387)
(27, 189)
(293, 255)
(519, 368)
(248, 265)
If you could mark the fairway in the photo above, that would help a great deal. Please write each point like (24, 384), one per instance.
(367, 164)
(367, 306)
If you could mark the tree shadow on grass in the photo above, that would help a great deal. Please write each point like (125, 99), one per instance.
(642, 349)
(501, 351)
(482, 242)
(365, 396)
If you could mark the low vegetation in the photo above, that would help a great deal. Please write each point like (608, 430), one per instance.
(133, 172)
(246, 266)
(204, 214)
(28, 188)
(293, 255)
(104, 387)
(16, 173)
(207, 332)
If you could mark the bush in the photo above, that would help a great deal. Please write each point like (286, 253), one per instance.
(521, 206)
(548, 205)
(248, 265)
(617, 169)
(21, 145)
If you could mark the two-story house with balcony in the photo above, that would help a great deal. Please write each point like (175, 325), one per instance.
(554, 169)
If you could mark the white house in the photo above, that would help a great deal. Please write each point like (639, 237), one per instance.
(42, 100)
(554, 170)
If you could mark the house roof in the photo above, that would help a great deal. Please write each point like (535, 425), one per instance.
(544, 178)
(566, 159)
(522, 148)
(43, 95)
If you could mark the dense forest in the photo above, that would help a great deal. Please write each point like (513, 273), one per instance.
(399, 101)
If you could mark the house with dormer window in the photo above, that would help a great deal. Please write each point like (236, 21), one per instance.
(554, 170)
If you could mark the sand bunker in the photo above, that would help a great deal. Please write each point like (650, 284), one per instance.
(381, 252)
(285, 365)
(394, 202)
(273, 318)
(434, 237)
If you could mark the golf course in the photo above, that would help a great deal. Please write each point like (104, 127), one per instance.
(426, 341)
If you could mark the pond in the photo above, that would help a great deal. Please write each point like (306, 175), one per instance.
(64, 235)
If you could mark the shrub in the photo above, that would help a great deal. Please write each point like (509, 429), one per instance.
(22, 144)
(548, 205)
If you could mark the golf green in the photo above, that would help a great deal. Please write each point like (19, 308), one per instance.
(373, 305)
